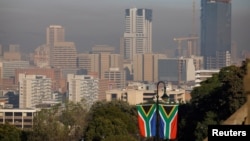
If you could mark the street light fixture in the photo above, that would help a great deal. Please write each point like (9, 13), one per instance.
(164, 97)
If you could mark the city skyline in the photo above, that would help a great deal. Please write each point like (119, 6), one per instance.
(88, 23)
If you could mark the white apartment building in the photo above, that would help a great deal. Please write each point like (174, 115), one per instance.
(202, 75)
(82, 87)
(33, 89)
(138, 32)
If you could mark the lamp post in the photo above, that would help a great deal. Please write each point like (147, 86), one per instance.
(164, 96)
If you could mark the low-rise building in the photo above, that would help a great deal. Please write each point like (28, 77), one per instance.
(21, 118)
(143, 93)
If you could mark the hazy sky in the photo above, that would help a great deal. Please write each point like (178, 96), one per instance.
(90, 22)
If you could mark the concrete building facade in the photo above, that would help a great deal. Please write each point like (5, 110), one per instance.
(145, 67)
(21, 118)
(82, 87)
(33, 89)
(8, 67)
(55, 33)
(63, 55)
(116, 76)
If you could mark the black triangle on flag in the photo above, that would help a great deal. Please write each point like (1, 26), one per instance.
(168, 109)
(147, 108)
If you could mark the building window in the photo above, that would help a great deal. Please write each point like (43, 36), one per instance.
(113, 96)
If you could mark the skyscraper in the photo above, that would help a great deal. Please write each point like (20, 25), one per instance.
(216, 33)
(54, 33)
(138, 32)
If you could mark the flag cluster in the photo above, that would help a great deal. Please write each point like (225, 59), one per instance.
(167, 121)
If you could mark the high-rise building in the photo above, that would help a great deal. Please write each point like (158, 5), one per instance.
(100, 60)
(138, 32)
(33, 89)
(63, 55)
(54, 33)
(216, 33)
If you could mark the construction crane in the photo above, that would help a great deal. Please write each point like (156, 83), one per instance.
(192, 41)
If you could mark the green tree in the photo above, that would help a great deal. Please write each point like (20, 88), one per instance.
(213, 102)
(111, 120)
(9, 133)
(59, 123)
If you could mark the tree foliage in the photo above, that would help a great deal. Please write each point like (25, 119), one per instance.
(9, 133)
(213, 102)
(62, 122)
(111, 120)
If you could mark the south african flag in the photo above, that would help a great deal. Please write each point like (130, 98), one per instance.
(167, 120)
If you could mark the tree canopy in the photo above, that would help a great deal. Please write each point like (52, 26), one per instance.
(213, 102)
(111, 120)
(9, 133)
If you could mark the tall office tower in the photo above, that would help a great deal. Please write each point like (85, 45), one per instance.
(138, 32)
(82, 87)
(63, 55)
(145, 67)
(216, 33)
(33, 89)
(54, 33)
